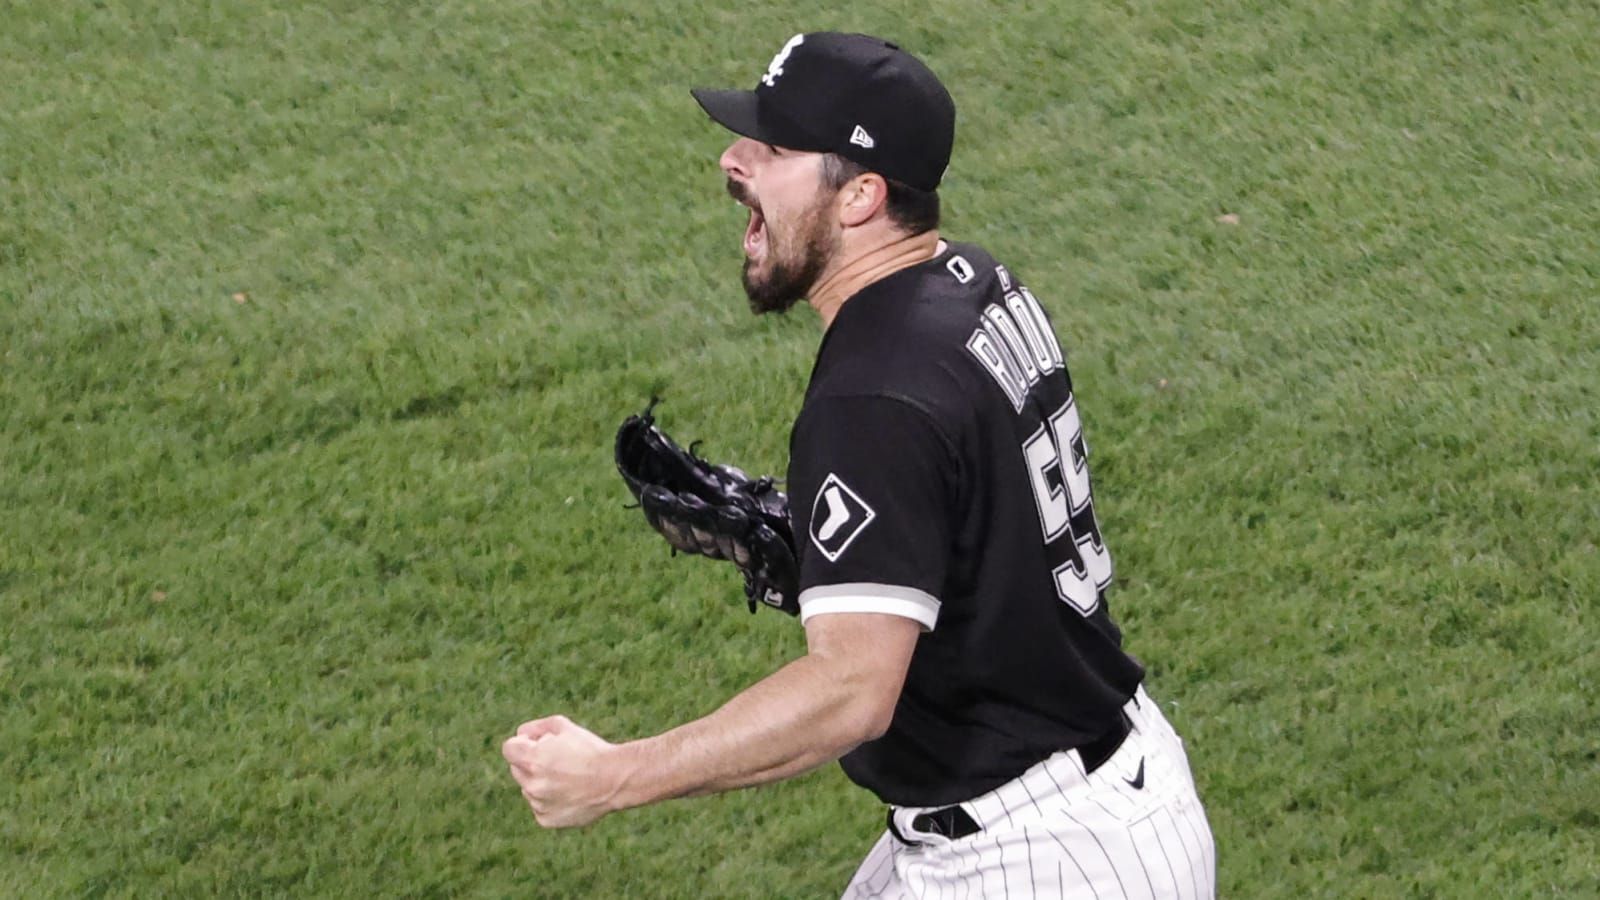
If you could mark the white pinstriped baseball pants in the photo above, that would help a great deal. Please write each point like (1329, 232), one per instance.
(1055, 832)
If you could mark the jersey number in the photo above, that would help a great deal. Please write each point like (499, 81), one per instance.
(1060, 478)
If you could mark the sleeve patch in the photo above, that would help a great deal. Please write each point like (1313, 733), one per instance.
(838, 516)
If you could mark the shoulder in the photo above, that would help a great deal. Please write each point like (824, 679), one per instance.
(882, 421)
(907, 334)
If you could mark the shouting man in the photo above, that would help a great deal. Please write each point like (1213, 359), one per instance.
(962, 662)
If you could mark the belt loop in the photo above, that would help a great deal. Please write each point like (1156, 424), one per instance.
(895, 830)
(952, 823)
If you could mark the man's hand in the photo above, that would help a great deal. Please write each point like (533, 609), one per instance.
(842, 693)
(565, 771)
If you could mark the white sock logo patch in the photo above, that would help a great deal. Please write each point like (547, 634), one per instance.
(837, 516)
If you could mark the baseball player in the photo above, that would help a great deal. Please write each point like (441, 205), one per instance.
(962, 662)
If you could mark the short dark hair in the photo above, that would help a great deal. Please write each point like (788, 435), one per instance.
(913, 210)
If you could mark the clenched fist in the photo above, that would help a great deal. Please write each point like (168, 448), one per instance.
(567, 773)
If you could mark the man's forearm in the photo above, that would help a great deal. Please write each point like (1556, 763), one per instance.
(800, 717)
(812, 711)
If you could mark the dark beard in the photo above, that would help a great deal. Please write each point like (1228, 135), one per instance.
(787, 283)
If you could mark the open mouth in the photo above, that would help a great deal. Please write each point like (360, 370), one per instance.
(755, 234)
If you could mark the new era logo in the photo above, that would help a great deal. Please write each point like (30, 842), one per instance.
(837, 516)
(860, 138)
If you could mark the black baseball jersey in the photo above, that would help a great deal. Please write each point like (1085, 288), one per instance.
(938, 471)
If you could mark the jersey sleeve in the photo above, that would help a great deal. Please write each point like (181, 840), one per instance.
(871, 482)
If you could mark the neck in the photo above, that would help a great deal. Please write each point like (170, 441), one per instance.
(876, 264)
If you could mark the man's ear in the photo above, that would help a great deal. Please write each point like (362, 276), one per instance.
(862, 198)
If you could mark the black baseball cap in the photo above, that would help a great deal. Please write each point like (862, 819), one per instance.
(858, 96)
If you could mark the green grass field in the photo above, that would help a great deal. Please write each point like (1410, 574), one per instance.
(316, 321)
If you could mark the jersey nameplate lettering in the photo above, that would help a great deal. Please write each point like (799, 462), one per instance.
(1016, 345)
(838, 516)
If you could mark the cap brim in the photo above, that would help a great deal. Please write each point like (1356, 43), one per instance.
(742, 113)
(738, 111)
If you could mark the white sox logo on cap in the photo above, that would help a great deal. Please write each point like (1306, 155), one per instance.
(852, 94)
(838, 516)
(775, 68)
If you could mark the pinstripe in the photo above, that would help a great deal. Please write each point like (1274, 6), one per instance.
(1143, 865)
(1194, 867)
(1194, 817)
(1077, 761)
(885, 871)
(979, 807)
(1166, 854)
(1039, 809)
(1208, 847)
(1079, 866)
(1109, 861)
(983, 889)
(1033, 883)
(981, 870)
(1104, 808)
(1184, 821)
(869, 883)
(1005, 879)
(1073, 765)
(892, 876)
(891, 861)
(1059, 789)
(885, 862)
(891, 872)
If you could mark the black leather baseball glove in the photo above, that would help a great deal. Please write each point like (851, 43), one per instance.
(711, 510)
